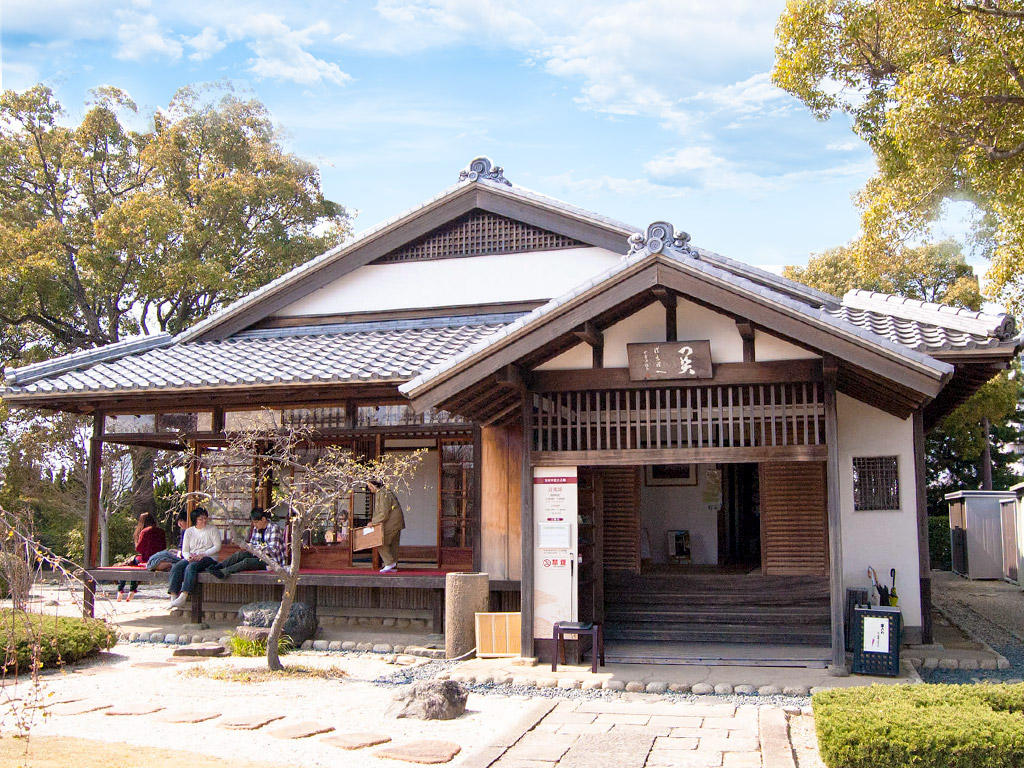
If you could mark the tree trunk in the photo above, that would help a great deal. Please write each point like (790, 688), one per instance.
(290, 580)
(143, 498)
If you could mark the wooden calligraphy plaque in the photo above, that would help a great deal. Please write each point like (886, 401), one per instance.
(669, 360)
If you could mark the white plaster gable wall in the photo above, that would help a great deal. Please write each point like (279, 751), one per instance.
(696, 322)
(886, 539)
(580, 356)
(768, 347)
(646, 325)
(452, 282)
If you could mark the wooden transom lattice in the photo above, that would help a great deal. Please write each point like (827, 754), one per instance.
(478, 233)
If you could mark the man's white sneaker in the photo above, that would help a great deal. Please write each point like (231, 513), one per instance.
(389, 568)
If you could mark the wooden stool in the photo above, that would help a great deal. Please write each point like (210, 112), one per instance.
(578, 628)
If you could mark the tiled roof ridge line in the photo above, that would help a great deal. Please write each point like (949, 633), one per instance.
(29, 373)
(1001, 325)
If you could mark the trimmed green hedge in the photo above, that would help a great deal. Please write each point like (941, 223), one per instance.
(60, 640)
(939, 543)
(925, 726)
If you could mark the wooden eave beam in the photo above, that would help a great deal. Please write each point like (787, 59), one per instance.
(511, 377)
(746, 331)
(772, 372)
(589, 333)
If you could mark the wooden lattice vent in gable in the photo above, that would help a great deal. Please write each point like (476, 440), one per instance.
(621, 536)
(794, 519)
(479, 233)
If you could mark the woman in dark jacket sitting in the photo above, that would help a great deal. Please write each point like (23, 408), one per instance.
(149, 539)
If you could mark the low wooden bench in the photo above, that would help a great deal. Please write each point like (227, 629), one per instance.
(434, 581)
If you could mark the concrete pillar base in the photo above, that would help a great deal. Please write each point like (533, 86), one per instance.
(465, 595)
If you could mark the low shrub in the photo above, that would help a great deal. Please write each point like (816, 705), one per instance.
(926, 726)
(241, 646)
(59, 640)
(939, 543)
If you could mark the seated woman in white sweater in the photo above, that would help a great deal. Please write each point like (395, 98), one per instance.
(199, 548)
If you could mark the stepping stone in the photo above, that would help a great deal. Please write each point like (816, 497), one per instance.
(79, 708)
(301, 730)
(188, 717)
(140, 709)
(201, 650)
(89, 671)
(355, 740)
(428, 752)
(186, 659)
(152, 664)
(248, 722)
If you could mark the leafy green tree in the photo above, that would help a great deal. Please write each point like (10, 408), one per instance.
(108, 231)
(937, 273)
(936, 89)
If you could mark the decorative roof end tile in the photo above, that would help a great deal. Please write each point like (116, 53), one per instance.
(481, 168)
(661, 235)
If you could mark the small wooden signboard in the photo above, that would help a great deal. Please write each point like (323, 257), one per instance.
(369, 537)
(669, 360)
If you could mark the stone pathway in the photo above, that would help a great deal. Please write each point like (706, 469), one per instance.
(638, 734)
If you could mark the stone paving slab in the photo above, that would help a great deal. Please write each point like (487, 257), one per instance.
(622, 749)
(625, 707)
(247, 722)
(301, 730)
(776, 750)
(139, 709)
(428, 752)
(355, 740)
(79, 708)
(188, 717)
(537, 745)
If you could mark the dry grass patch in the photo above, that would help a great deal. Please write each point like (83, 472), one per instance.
(60, 752)
(233, 674)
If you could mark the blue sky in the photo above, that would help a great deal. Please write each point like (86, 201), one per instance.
(643, 110)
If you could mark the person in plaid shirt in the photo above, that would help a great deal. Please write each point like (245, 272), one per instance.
(265, 536)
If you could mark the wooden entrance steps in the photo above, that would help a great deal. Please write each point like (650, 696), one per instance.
(784, 610)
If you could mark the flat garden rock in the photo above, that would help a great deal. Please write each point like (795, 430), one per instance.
(202, 649)
(302, 730)
(151, 664)
(427, 752)
(188, 717)
(247, 722)
(79, 708)
(355, 740)
(139, 709)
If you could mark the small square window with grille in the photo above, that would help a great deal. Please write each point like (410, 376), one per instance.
(876, 483)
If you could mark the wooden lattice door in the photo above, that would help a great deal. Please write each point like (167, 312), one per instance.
(794, 519)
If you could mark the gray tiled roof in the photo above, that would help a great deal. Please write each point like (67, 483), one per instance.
(913, 334)
(384, 353)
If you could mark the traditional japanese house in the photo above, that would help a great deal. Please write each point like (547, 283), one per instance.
(620, 426)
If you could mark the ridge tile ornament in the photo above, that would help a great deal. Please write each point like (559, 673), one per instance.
(481, 168)
(659, 236)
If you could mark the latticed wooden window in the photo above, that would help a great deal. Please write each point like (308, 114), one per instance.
(876, 483)
(479, 233)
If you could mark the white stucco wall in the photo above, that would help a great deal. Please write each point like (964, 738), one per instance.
(580, 356)
(419, 501)
(768, 347)
(696, 322)
(885, 539)
(454, 282)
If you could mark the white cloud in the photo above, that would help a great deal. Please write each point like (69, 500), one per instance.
(281, 52)
(700, 167)
(205, 44)
(842, 146)
(754, 94)
(143, 38)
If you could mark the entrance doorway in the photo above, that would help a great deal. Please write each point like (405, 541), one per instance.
(686, 555)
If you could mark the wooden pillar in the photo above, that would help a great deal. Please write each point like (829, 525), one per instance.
(986, 455)
(93, 483)
(923, 550)
(835, 539)
(526, 529)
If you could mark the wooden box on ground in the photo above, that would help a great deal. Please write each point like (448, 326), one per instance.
(498, 635)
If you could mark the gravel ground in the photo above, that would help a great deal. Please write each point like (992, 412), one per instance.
(991, 612)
